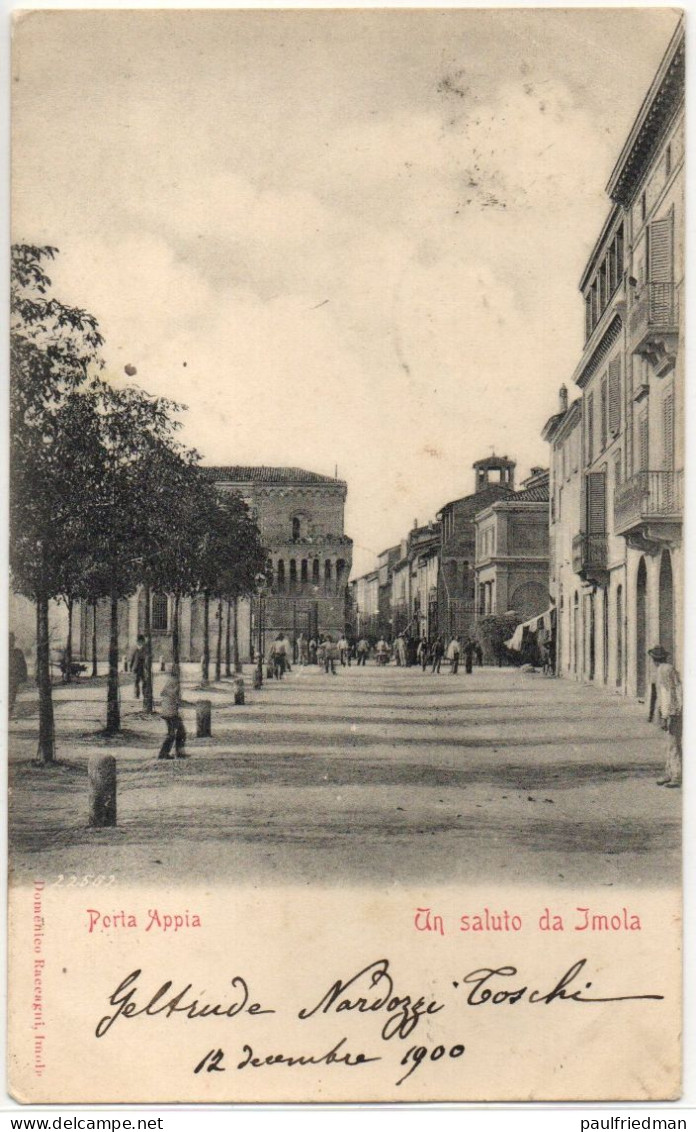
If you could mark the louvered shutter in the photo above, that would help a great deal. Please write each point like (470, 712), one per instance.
(660, 251)
(643, 442)
(668, 432)
(614, 397)
(596, 503)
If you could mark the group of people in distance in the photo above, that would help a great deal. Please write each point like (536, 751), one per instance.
(666, 694)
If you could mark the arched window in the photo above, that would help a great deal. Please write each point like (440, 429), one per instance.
(296, 528)
(160, 613)
(281, 576)
(327, 574)
(293, 575)
(315, 571)
(269, 573)
(303, 572)
(340, 572)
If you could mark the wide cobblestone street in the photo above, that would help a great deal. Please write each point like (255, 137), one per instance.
(374, 776)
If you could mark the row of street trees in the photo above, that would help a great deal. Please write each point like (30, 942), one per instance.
(104, 499)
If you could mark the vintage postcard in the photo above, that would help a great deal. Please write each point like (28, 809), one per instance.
(347, 453)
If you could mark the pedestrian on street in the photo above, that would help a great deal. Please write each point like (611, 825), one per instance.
(362, 650)
(343, 651)
(453, 654)
(469, 653)
(437, 654)
(400, 651)
(479, 654)
(303, 649)
(287, 652)
(667, 696)
(330, 655)
(170, 710)
(312, 651)
(423, 653)
(382, 651)
(17, 672)
(277, 655)
(137, 664)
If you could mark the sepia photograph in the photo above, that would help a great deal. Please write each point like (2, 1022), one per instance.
(346, 570)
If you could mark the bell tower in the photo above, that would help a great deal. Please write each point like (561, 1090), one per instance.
(494, 470)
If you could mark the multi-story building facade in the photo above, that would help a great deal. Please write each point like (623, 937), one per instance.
(624, 510)
(564, 433)
(494, 480)
(512, 551)
(364, 605)
(648, 184)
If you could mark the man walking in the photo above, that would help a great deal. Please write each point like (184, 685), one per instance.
(137, 664)
(362, 650)
(453, 653)
(666, 695)
(170, 709)
(438, 653)
(469, 653)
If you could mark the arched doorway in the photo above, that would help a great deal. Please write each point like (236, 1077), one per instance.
(641, 628)
(666, 600)
(619, 636)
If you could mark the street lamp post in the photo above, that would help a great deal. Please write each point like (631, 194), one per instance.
(261, 593)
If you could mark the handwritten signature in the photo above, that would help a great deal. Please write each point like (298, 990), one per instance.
(371, 990)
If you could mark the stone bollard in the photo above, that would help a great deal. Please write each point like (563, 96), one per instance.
(239, 690)
(203, 713)
(101, 775)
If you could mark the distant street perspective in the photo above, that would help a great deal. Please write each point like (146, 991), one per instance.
(379, 774)
(362, 561)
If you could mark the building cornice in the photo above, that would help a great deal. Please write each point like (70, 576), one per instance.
(592, 360)
(660, 105)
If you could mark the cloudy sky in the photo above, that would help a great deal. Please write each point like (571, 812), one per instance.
(344, 238)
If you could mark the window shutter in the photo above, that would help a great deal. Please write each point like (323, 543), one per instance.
(596, 503)
(668, 432)
(615, 397)
(590, 429)
(643, 442)
(603, 413)
(660, 249)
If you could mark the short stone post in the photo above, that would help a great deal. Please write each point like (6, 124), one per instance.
(239, 690)
(203, 714)
(101, 775)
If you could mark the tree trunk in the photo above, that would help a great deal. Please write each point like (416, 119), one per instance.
(47, 739)
(228, 656)
(67, 676)
(175, 631)
(235, 634)
(113, 713)
(148, 696)
(94, 638)
(218, 654)
(205, 666)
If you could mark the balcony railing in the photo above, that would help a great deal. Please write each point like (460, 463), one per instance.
(590, 557)
(648, 498)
